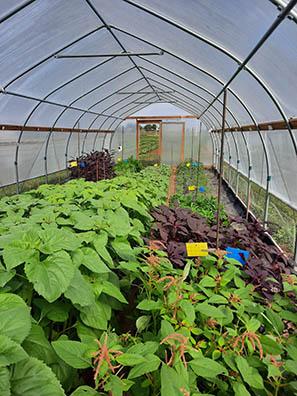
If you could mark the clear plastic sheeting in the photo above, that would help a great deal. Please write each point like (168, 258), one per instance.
(8, 144)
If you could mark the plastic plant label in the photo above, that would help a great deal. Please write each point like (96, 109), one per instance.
(202, 189)
(192, 188)
(188, 164)
(156, 164)
(73, 164)
(237, 254)
(197, 249)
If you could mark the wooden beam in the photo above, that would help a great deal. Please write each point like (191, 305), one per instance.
(34, 128)
(171, 117)
(263, 126)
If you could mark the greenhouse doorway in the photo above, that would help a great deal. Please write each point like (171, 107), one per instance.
(148, 141)
(172, 138)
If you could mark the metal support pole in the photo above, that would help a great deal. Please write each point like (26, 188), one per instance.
(198, 159)
(295, 250)
(221, 168)
(267, 199)
(237, 177)
(123, 142)
(248, 198)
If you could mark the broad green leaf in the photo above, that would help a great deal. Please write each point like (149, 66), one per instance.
(207, 281)
(96, 315)
(147, 348)
(15, 320)
(274, 320)
(209, 310)
(32, 377)
(130, 201)
(55, 239)
(5, 275)
(38, 346)
(171, 382)
(249, 374)
(292, 351)
(80, 291)
(93, 262)
(56, 311)
(100, 242)
(189, 311)
(86, 334)
(16, 253)
(288, 315)
(152, 363)
(252, 325)
(52, 276)
(217, 299)
(166, 329)
(73, 353)
(142, 323)
(123, 249)
(10, 351)
(291, 366)
(239, 389)
(130, 359)
(4, 382)
(150, 305)
(207, 368)
(85, 391)
(119, 222)
(270, 346)
(82, 222)
(111, 290)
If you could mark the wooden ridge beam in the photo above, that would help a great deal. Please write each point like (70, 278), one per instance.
(34, 128)
(263, 126)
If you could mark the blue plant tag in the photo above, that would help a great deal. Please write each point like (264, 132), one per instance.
(125, 161)
(202, 189)
(237, 254)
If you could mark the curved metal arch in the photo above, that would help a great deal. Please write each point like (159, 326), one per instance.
(201, 87)
(76, 99)
(189, 109)
(114, 104)
(70, 44)
(228, 54)
(114, 112)
(180, 93)
(135, 108)
(235, 143)
(60, 115)
(113, 93)
(70, 135)
(194, 66)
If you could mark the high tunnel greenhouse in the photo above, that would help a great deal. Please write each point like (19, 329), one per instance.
(148, 210)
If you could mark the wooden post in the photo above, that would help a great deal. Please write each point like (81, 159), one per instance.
(221, 168)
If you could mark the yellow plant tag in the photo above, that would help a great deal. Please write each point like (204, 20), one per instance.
(119, 159)
(192, 188)
(197, 249)
(156, 164)
(73, 164)
(188, 164)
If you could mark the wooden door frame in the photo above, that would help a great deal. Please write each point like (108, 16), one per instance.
(182, 148)
(138, 123)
